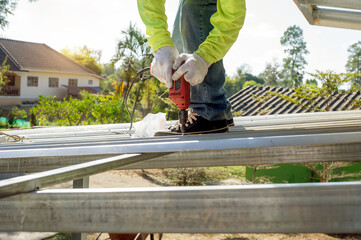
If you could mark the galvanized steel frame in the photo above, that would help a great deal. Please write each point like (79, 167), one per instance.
(328, 208)
(332, 13)
(274, 208)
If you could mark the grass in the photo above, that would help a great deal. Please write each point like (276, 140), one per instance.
(59, 236)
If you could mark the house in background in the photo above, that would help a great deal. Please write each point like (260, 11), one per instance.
(38, 69)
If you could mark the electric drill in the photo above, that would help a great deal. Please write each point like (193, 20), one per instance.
(179, 94)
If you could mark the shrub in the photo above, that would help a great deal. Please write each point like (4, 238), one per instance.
(186, 176)
(4, 123)
(91, 109)
(17, 113)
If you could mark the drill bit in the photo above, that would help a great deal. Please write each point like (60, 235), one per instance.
(182, 117)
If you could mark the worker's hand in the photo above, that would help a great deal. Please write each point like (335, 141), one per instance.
(161, 66)
(194, 68)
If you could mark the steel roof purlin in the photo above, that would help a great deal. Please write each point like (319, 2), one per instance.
(332, 13)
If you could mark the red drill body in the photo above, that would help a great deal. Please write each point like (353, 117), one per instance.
(179, 94)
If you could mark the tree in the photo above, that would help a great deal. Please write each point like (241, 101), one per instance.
(354, 62)
(272, 75)
(87, 57)
(135, 54)
(5, 70)
(7, 8)
(243, 69)
(237, 82)
(312, 82)
(296, 48)
(230, 87)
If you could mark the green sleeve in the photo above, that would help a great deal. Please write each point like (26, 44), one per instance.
(153, 15)
(227, 22)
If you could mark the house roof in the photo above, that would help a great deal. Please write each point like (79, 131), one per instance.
(28, 56)
(252, 101)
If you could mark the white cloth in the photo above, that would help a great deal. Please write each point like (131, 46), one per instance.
(162, 64)
(194, 68)
(151, 124)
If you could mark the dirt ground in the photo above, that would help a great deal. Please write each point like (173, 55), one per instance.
(138, 179)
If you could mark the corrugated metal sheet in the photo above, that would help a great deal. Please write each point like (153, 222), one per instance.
(254, 101)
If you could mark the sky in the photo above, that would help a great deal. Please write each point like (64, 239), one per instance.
(98, 24)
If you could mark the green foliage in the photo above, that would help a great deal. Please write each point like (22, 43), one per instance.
(17, 113)
(5, 70)
(354, 62)
(111, 74)
(133, 49)
(186, 176)
(294, 64)
(307, 94)
(135, 54)
(237, 82)
(91, 109)
(272, 75)
(306, 97)
(233, 85)
(244, 69)
(86, 57)
(4, 123)
(226, 172)
(6, 8)
(238, 113)
(251, 83)
(59, 236)
(250, 77)
(312, 82)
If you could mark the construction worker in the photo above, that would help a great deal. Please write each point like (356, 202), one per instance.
(203, 32)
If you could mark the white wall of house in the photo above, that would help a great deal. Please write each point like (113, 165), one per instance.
(28, 93)
(43, 84)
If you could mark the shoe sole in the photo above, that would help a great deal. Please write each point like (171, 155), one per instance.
(170, 133)
(230, 123)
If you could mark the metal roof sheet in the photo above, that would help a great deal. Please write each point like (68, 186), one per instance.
(253, 101)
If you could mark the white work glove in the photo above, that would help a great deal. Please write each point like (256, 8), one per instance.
(162, 64)
(194, 68)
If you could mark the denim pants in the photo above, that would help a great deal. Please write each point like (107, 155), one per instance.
(191, 28)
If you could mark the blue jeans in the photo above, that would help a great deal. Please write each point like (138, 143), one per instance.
(191, 28)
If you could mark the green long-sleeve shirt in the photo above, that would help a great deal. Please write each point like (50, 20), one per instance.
(227, 22)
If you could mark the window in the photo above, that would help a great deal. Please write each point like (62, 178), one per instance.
(73, 82)
(33, 81)
(53, 82)
(90, 82)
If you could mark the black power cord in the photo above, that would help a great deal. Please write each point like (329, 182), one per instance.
(143, 75)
